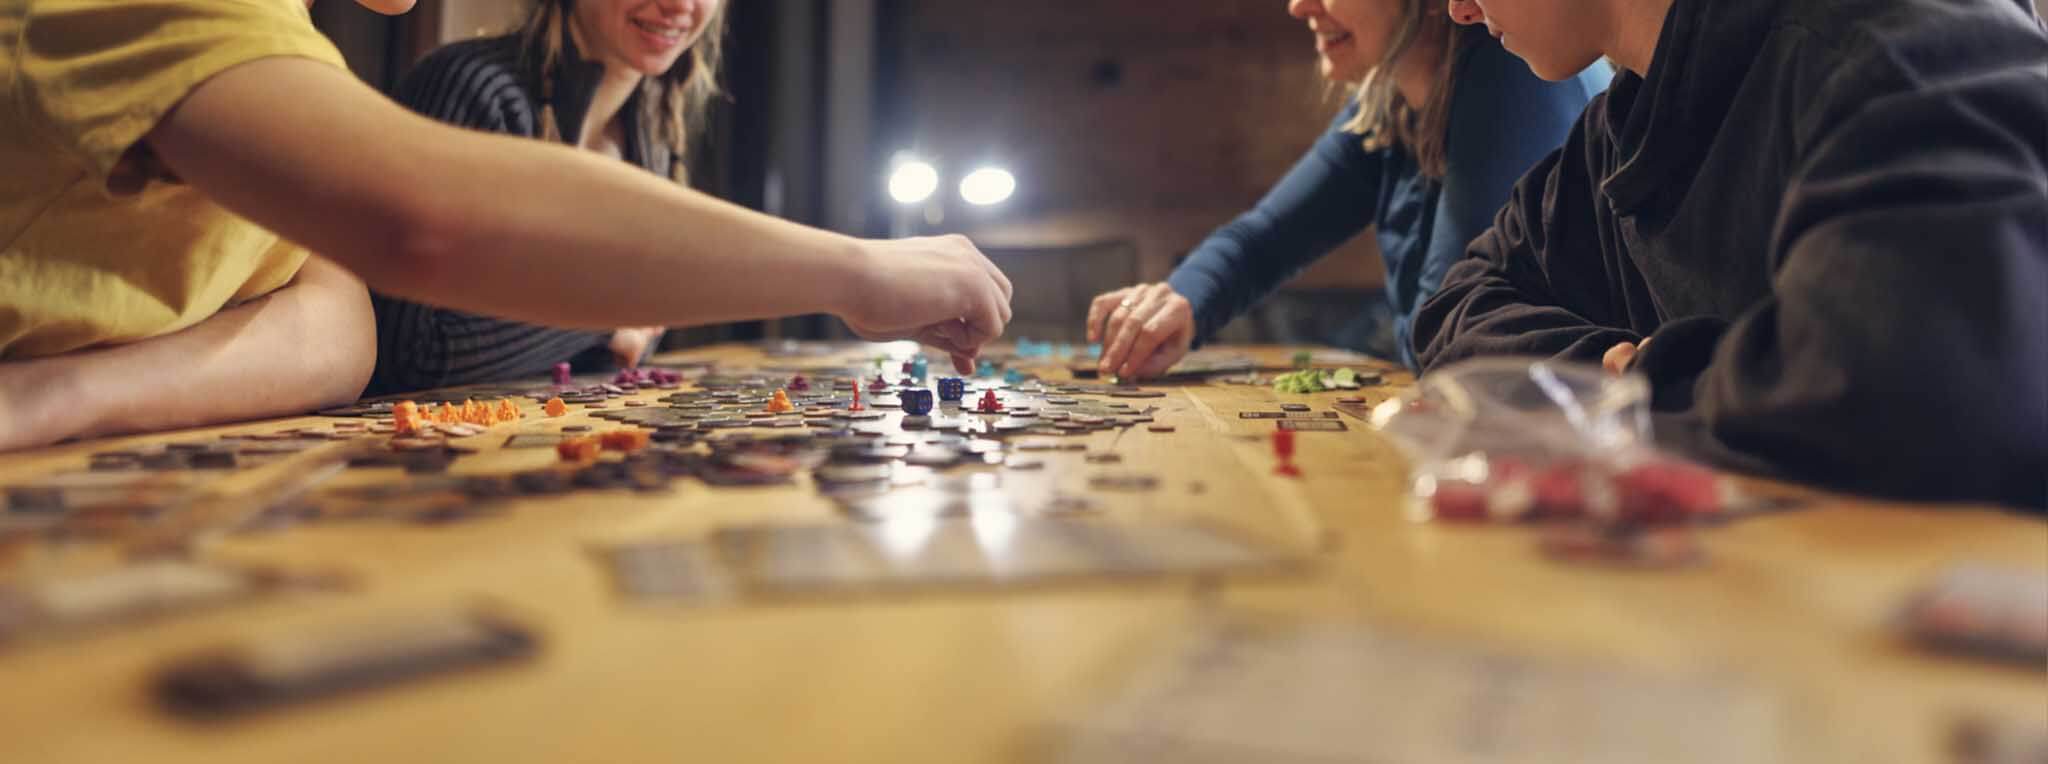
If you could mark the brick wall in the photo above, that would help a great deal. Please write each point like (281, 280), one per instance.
(1141, 118)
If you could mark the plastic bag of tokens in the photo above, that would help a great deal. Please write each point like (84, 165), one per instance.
(1518, 440)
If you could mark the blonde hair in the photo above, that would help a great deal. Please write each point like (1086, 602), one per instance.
(680, 97)
(1388, 120)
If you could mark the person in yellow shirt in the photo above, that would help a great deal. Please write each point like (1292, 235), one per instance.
(166, 165)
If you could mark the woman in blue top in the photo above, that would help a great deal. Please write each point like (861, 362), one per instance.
(1425, 162)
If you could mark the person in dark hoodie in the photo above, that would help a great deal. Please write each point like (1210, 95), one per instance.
(1818, 227)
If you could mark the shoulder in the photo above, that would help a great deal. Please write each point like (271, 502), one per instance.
(95, 76)
(468, 65)
(1340, 146)
(468, 81)
(1846, 55)
(1901, 42)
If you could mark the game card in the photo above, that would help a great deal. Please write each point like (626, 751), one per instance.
(796, 559)
(680, 572)
(1312, 425)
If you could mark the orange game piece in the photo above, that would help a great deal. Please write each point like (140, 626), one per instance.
(508, 411)
(578, 449)
(448, 414)
(405, 418)
(555, 407)
(626, 440)
(780, 404)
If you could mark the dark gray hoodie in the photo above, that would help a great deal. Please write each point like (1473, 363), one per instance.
(1829, 218)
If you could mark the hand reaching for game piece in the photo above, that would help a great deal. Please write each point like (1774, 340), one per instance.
(630, 344)
(1144, 330)
(939, 290)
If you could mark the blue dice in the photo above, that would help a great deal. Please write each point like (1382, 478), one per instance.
(916, 402)
(952, 389)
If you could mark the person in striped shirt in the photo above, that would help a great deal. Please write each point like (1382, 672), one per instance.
(597, 75)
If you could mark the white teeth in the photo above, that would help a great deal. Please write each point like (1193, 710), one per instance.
(665, 32)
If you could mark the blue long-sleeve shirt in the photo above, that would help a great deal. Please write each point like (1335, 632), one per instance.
(1503, 120)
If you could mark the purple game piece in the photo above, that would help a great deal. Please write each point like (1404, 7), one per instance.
(562, 373)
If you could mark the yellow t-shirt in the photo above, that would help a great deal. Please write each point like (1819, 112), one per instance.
(95, 248)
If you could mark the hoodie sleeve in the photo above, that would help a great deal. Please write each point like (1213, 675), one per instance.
(1507, 296)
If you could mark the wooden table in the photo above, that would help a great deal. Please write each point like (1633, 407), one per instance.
(1798, 602)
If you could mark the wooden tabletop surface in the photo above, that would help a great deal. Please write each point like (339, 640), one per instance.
(1797, 604)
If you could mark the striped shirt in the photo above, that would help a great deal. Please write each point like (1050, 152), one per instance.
(493, 84)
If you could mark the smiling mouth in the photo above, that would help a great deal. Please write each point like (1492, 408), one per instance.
(1326, 42)
(665, 32)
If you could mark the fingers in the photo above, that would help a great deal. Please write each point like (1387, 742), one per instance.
(1162, 359)
(1150, 334)
(951, 337)
(629, 345)
(945, 336)
(1002, 279)
(1618, 358)
(995, 275)
(963, 364)
(1125, 323)
(984, 318)
(1098, 312)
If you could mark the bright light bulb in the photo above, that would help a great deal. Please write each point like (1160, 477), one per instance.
(988, 185)
(913, 182)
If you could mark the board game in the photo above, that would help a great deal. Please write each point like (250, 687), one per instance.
(1003, 565)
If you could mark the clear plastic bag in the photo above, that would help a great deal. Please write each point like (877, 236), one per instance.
(1515, 439)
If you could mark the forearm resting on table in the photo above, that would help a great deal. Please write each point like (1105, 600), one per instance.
(309, 345)
(485, 223)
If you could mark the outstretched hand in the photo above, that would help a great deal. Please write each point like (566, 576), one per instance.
(1144, 330)
(940, 291)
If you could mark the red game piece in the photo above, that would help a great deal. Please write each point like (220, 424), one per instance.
(1458, 502)
(856, 400)
(988, 403)
(1283, 447)
(1668, 491)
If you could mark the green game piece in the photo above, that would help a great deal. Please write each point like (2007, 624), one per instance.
(1303, 359)
(1310, 381)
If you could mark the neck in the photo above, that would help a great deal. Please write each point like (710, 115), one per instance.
(1415, 74)
(611, 95)
(612, 92)
(1637, 25)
